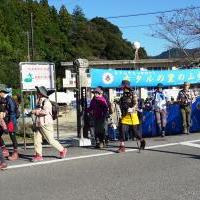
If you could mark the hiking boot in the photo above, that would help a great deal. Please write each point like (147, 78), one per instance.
(15, 156)
(63, 153)
(3, 166)
(142, 144)
(37, 158)
(121, 149)
(188, 131)
(5, 152)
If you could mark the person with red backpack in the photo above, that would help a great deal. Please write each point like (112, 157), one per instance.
(44, 125)
(11, 122)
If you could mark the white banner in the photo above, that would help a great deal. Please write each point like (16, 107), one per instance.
(37, 74)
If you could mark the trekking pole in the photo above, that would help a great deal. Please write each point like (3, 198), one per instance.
(134, 133)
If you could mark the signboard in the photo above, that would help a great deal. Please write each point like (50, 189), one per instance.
(112, 78)
(37, 74)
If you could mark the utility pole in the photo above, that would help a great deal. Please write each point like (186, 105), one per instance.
(32, 41)
(28, 46)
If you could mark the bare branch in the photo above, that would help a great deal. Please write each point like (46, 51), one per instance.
(180, 29)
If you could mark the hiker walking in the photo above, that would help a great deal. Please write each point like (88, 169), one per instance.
(160, 100)
(129, 117)
(44, 125)
(11, 122)
(99, 109)
(185, 99)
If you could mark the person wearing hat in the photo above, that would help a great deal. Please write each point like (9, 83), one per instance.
(99, 109)
(185, 99)
(129, 118)
(160, 100)
(44, 125)
(11, 122)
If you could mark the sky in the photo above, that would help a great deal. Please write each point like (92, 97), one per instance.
(142, 34)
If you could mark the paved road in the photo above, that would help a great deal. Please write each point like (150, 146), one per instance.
(169, 169)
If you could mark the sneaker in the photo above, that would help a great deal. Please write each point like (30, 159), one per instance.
(121, 149)
(3, 166)
(142, 144)
(185, 131)
(101, 145)
(163, 134)
(14, 156)
(5, 152)
(63, 153)
(37, 158)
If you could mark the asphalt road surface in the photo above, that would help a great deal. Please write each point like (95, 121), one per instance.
(169, 169)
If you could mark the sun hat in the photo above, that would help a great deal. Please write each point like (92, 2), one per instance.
(42, 90)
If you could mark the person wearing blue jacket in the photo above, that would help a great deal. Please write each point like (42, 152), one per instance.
(11, 122)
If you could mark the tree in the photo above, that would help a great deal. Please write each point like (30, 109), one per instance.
(181, 29)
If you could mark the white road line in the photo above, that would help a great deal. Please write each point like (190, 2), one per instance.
(188, 143)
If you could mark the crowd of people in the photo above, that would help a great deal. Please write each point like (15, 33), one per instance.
(128, 113)
(125, 114)
(42, 126)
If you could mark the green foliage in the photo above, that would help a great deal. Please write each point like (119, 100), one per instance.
(58, 36)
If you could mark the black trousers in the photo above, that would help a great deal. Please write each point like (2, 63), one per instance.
(124, 128)
(99, 129)
(2, 159)
(12, 137)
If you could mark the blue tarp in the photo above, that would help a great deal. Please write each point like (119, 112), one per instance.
(174, 120)
(148, 124)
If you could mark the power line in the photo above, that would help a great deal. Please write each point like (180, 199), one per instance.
(151, 13)
(141, 25)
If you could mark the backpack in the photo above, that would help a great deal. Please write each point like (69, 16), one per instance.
(55, 109)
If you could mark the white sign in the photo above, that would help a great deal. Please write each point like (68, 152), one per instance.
(37, 74)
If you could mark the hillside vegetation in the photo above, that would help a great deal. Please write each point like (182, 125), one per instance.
(57, 36)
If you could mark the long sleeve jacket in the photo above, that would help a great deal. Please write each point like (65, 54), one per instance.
(185, 97)
(98, 107)
(10, 108)
(43, 112)
(160, 100)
